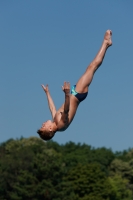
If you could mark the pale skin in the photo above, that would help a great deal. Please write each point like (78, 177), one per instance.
(62, 118)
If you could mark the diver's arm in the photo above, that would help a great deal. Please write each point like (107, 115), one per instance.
(50, 101)
(66, 89)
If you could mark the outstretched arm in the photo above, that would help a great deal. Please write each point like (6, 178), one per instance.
(66, 89)
(50, 101)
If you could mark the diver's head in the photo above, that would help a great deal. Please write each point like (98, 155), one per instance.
(47, 130)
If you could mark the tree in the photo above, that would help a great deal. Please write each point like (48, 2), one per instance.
(86, 182)
(119, 188)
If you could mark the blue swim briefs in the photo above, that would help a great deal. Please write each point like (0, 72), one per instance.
(79, 96)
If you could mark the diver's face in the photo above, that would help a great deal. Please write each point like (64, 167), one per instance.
(46, 125)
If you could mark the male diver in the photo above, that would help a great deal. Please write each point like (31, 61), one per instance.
(62, 118)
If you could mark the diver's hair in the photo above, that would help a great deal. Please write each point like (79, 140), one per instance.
(45, 135)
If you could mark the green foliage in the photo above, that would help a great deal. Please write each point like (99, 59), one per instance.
(120, 188)
(34, 169)
(87, 182)
(26, 171)
(74, 154)
(122, 168)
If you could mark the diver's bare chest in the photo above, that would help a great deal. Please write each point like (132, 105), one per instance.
(58, 116)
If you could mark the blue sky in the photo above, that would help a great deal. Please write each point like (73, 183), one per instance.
(51, 42)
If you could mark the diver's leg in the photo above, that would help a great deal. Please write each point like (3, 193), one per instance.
(85, 80)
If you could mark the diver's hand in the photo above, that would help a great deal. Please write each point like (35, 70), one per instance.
(45, 88)
(66, 88)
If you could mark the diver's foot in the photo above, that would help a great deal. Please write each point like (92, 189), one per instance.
(107, 38)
